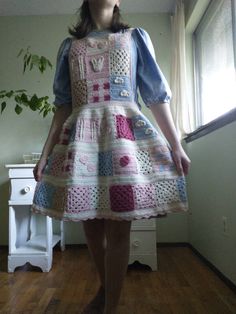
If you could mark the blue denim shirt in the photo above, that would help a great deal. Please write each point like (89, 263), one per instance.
(147, 76)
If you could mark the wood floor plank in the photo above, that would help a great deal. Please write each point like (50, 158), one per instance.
(183, 284)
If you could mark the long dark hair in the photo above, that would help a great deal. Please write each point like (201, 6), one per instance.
(86, 24)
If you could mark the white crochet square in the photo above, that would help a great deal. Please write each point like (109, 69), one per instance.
(119, 62)
(99, 197)
(166, 192)
(144, 162)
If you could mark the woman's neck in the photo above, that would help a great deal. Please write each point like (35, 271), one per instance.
(102, 16)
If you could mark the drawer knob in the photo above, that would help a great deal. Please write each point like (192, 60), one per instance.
(136, 243)
(26, 189)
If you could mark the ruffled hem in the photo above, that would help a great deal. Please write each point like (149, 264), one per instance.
(160, 212)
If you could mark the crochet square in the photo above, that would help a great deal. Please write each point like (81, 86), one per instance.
(59, 199)
(97, 66)
(44, 194)
(142, 128)
(78, 199)
(78, 47)
(105, 164)
(124, 163)
(76, 56)
(121, 198)
(122, 41)
(97, 45)
(144, 196)
(162, 159)
(106, 129)
(87, 130)
(181, 186)
(124, 127)
(98, 90)
(120, 88)
(144, 162)
(119, 62)
(166, 192)
(79, 92)
(56, 164)
(85, 164)
(99, 197)
(77, 68)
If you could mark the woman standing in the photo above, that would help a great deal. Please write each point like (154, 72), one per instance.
(103, 162)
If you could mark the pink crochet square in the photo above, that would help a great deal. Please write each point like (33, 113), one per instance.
(56, 168)
(124, 127)
(124, 162)
(144, 196)
(87, 130)
(97, 66)
(98, 90)
(121, 198)
(78, 199)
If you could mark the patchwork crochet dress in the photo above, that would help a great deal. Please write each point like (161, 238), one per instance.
(110, 161)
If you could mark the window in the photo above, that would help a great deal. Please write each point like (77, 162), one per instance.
(215, 61)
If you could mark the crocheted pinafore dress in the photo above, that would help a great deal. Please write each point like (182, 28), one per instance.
(110, 161)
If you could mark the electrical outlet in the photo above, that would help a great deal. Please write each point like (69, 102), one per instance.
(225, 225)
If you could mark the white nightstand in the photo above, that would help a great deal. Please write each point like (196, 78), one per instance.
(29, 240)
(143, 242)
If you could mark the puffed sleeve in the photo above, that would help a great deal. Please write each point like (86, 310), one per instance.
(61, 83)
(152, 84)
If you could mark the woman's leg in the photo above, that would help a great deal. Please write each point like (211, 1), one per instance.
(95, 236)
(116, 261)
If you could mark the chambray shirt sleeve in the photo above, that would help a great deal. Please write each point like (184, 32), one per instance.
(62, 83)
(151, 82)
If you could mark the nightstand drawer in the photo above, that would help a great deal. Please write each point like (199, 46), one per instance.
(143, 242)
(22, 189)
(144, 224)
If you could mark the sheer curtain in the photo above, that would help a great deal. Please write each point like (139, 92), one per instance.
(180, 107)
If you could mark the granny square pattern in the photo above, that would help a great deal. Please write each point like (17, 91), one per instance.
(109, 160)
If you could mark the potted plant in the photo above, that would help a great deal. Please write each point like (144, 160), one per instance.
(21, 96)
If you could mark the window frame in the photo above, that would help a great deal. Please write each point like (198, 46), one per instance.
(228, 117)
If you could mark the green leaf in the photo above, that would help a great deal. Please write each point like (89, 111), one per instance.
(18, 99)
(3, 91)
(28, 60)
(24, 99)
(18, 109)
(49, 63)
(9, 94)
(34, 103)
(24, 67)
(3, 106)
(20, 90)
(35, 59)
(20, 52)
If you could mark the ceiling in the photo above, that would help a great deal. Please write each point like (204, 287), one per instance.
(59, 7)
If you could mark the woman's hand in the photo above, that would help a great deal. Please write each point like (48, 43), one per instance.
(181, 160)
(38, 169)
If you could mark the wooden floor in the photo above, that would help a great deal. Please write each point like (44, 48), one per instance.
(183, 284)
